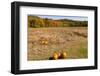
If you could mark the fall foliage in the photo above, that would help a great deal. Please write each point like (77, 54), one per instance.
(36, 22)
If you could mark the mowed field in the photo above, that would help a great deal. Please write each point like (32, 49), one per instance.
(73, 40)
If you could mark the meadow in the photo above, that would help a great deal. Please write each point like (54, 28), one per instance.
(43, 42)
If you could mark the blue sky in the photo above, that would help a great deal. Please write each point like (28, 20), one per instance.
(80, 18)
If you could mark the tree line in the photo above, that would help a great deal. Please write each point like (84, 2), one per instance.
(36, 22)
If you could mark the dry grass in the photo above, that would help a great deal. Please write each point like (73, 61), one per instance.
(43, 42)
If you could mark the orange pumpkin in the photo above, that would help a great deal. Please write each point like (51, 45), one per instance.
(64, 54)
(55, 56)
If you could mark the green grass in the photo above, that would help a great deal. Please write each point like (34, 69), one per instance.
(82, 52)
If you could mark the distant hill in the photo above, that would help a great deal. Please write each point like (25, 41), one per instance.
(36, 22)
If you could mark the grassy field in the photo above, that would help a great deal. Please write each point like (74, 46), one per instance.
(73, 40)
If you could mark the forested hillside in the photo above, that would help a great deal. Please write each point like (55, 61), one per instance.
(36, 22)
